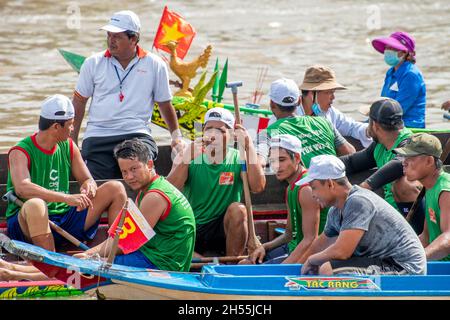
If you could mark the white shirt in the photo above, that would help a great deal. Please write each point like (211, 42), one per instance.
(147, 82)
(348, 126)
(345, 125)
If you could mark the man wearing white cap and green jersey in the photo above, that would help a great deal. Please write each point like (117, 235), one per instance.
(317, 134)
(363, 233)
(39, 170)
(421, 161)
(305, 220)
(124, 82)
(209, 174)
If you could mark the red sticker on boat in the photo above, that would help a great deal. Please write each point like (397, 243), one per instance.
(226, 178)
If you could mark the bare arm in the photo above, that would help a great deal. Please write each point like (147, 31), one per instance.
(345, 148)
(440, 247)
(425, 236)
(82, 174)
(310, 225)
(342, 249)
(153, 206)
(79, 104)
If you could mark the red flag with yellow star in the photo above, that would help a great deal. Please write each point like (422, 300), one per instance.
(173, 27)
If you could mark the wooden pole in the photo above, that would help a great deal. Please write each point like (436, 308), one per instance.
(112, 253)
(253, 241)
(219, 259)
(413, 209)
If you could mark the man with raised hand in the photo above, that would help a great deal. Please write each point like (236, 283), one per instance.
(209, 173)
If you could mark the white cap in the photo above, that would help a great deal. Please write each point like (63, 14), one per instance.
(284, 92)
(57, 107)
(286, 141)
(324, 167)
(123, 21)
(220, 114)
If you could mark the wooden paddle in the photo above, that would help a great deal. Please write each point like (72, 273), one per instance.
(253, 242)
(115, 244)
(219, 259)
(419, 198)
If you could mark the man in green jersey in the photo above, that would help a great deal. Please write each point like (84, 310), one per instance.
(317, 134)
(209, 173)
(421, 161)
(305, 220)
(388, 132)
(164, 207)
(39, 171)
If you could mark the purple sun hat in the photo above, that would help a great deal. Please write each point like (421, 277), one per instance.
(398, 40)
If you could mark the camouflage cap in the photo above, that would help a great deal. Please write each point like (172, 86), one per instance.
(421, 144)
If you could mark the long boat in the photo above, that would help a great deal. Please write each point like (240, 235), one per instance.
(262, 282)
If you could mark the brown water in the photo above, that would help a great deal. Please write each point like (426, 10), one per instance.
(285, 36)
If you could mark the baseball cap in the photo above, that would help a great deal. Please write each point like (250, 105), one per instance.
(57, 107)
(324, 167)
(286, 141)
(121, 21)
(421, 144)
(284, 92)
(387, 111)
(220, 114)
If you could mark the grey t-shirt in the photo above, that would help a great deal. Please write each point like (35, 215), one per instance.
(387, 233)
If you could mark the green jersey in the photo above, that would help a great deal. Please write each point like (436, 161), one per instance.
(49, 169)
(172, 246)
(433, 212)
(383, 156)
(211, 188)
(315, 133)
(295, 212)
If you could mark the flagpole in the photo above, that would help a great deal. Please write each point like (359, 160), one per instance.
(112, 253)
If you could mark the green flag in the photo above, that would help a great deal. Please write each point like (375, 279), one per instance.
(216, 82)
(223, 81)
(75, 60)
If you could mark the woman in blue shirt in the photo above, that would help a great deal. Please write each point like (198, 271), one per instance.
(404, 81)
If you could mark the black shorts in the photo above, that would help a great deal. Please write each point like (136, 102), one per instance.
(366, 266)
(211, 237)
(98, 154)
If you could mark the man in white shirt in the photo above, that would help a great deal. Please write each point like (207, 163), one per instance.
(318, 88)
(124, 82)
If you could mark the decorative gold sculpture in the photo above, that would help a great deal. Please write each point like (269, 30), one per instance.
(186, 71)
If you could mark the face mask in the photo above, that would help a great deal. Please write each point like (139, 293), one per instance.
(391, 58)
(316, 109)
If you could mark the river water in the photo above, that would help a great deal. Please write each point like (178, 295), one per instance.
(284, 36)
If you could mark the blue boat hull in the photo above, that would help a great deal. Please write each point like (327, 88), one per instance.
(229, 282)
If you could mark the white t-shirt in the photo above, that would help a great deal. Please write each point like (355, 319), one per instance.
(147, 82)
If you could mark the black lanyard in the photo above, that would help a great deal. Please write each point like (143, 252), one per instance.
(121, 96)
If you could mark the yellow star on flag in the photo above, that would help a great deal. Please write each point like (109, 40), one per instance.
(171, 33)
